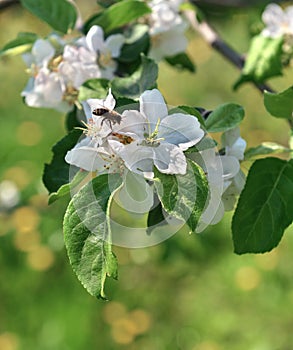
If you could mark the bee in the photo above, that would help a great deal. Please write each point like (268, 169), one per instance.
(111, 117)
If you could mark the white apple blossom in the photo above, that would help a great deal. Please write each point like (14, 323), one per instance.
(225, 178)
(234, 147)
(167, 29)
(278, 21)
(93, 153)
(106, 50)
(155, 138)
(45, 91)
(59, 68)
(41, 54)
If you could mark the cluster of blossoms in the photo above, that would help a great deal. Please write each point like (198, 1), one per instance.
(59, 67)
(226, 179)
(278, 22)
(166, 29)
(140, 140)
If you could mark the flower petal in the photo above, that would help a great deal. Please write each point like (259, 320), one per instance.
(273, 15)
(114, 44)
(181, 129)
(153, 106)
(230, 165)
(133, 124)
(43, 51)
(168, 43)
(138, 159)
(136, 195)
(95, 39)
(85, 156)
(170, 159)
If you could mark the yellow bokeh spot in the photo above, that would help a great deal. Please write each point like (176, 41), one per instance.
(141, 319)
(18, 175)
(123, 331)
(29, 133)
(9, 341)
(39, 200)
(41, 258)
(25, 219)
(247, 278)
(26, 241)
(113, 311)
(268, 261)
(207, 345)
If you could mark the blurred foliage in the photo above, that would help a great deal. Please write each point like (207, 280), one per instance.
(190, 292)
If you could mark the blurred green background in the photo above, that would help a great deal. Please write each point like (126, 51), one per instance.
(190, 292)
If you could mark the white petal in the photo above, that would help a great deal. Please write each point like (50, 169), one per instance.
(95, 39)
(87, 157)
(110, 101)
(168, 43)
(230, 166)
(114, 44)
(170, 159)
(43, 52)
(153, 106)
(181, 129)
(136, 195)
(237, 149)
(87, 110)
(133, 124)
(272, 15)
(138, 159)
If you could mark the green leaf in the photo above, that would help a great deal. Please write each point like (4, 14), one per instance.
(155, 216)
(59, 14)
(264, 149)
(137, 42)
(87, 234)
(265, 207)
(263, 60)
(118, 15)
(183, 196)
(181, 61)
(21, 44)
(280, 105)
(93, 88)
(68, 188)
(56, 173)
(143, 79)
(225, 117)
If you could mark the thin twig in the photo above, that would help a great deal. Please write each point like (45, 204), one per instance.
(217, 43)
(7, 3)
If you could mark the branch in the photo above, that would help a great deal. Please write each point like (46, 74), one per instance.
(7, 3)
(214, 40)
(217, 43)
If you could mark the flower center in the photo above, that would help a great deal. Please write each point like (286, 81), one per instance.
(105, 59)
(91, 129)
(70, 95)
(151, 139)
(54, 63)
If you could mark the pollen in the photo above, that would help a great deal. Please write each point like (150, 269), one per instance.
(124, 139)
